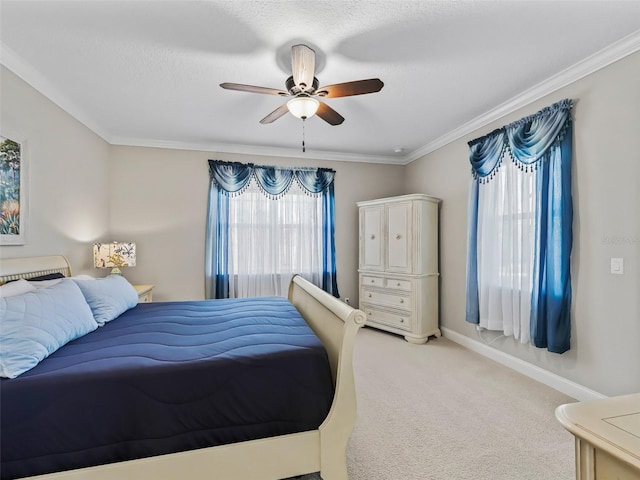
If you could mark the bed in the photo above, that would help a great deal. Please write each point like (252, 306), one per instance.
(276, 456)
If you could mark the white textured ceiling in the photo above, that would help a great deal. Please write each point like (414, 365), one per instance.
(147, 72)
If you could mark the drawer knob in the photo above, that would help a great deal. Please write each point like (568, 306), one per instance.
(402, 300)
(369, 313)
(399, 284)
(373, 237)
(398, 236)
(373, 281)
(401, 320)
(369, 295)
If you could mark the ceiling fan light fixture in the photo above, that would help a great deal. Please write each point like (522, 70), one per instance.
(303, 106)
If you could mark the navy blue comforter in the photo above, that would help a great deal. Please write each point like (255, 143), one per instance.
(166, 377)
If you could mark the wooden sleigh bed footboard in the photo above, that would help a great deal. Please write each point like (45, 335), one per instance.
(272, 458)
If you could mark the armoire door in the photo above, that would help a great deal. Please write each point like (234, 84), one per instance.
(399, 237)
(371, 241)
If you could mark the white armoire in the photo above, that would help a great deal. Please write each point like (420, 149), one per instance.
(398, 267)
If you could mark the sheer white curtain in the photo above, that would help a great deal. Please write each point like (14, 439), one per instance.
(272, 239)
(506, 228)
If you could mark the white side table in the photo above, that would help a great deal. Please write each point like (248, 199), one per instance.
(145, 293)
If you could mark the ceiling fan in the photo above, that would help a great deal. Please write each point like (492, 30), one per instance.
(302, 85)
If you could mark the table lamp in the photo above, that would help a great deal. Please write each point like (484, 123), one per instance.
(114, 255)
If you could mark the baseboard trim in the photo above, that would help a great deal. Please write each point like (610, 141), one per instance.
(572, 389)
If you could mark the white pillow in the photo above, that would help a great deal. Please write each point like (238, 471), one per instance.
(15, 288)
(35, 324)
(108, 297)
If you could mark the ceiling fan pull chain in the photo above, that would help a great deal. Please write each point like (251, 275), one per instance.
(303, 147)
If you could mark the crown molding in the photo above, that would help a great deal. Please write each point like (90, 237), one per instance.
(33, 77)
(12, 61)
(614, 52)
(257, 150)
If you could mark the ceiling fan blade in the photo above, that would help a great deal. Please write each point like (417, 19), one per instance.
(276, 114)
(347, 89)
(329, 115)
(253, 89)
(303, 66)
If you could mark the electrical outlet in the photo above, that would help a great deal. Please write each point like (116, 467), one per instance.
(346, 300)
(617, 266)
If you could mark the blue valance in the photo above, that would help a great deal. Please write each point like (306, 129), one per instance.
(232, 178)
(528, 141)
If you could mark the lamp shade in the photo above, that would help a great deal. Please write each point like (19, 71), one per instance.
(114, 255)
(303, 106)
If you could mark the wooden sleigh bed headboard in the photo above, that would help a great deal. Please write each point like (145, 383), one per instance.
(273, 458)
(29, 267)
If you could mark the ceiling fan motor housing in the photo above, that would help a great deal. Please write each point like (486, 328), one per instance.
(294, 89)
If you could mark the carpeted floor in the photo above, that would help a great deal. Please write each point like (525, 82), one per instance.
(441, 412)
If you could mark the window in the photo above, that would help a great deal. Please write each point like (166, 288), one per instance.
(272, 239)
(520, 229)
(266, 224)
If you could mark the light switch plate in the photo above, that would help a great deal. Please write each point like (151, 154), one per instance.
(617, 266)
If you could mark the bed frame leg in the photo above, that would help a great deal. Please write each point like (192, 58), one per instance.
(335, 469)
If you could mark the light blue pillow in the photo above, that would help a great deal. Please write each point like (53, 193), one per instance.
(35, 324)
(108, 297)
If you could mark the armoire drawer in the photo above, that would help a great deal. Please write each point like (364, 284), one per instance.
(389, 298)
(397, 320)
(372, 281)
(397, 284)
(386, 282)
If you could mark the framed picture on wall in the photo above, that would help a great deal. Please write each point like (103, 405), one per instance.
(13, 190)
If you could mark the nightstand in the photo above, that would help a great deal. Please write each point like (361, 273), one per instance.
(145, 293)
(607, 433)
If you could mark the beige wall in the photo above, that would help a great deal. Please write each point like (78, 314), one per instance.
(68, 181)
(83, 190)
(605, 343)
(159, 200)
